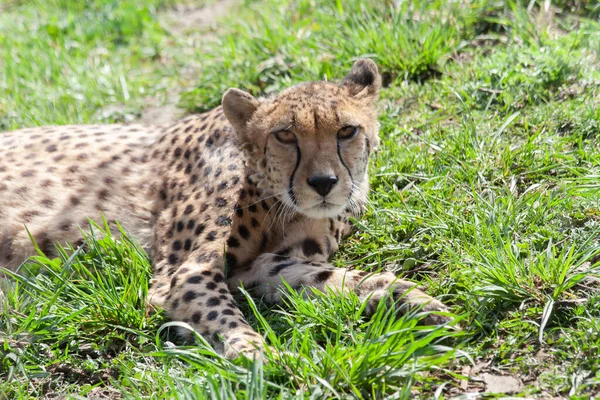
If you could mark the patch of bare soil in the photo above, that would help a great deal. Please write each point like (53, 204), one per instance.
(51, 387)
(164, 114)
(77, 375)
(190, 17)
(182, 20)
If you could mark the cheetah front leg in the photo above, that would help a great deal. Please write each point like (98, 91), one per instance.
(196, 294)
(266, 273)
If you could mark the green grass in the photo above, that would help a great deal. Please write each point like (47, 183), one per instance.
(486, 189)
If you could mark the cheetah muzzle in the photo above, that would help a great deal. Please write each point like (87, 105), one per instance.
(251, 193)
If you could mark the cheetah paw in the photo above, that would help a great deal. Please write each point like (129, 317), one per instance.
(407, 297)
(253, 349)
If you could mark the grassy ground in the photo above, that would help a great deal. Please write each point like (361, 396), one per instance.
(486, 189)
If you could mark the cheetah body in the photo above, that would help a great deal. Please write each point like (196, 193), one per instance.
(52, 179)
(218, 200)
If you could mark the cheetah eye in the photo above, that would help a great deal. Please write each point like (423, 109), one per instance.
(285, 137)
(347, 132)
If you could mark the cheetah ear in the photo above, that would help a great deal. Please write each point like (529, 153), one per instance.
(239, 106)
(363, 80)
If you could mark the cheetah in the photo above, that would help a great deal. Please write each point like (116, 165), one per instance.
(254, 192)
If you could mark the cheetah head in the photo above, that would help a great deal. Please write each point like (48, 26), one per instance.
(311, 143)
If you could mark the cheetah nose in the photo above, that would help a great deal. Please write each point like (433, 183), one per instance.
(322, 184)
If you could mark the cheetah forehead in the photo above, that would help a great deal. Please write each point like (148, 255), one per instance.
(312, 108)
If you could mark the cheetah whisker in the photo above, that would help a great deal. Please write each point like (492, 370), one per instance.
(265, 198)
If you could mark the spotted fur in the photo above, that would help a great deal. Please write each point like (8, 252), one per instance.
(249, 193)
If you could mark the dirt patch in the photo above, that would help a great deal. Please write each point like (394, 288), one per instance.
(501, 384)
(104, 393)
(184, 20)
(164, 114)
(77, 375)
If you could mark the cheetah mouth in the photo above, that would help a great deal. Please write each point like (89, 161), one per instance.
(323, 209)
(325, 204)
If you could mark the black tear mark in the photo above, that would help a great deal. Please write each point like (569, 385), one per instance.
(291, 187)
(339, 151)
